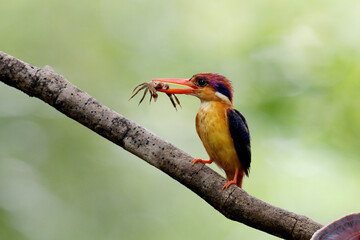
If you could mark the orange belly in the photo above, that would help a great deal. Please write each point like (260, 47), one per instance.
(213, 130)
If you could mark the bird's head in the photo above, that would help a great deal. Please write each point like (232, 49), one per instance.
(205, 86)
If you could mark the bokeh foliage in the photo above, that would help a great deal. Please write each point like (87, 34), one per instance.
(295, 69)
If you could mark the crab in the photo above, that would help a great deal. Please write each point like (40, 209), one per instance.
(152, 87)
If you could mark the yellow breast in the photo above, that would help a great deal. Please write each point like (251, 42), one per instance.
(213, 130)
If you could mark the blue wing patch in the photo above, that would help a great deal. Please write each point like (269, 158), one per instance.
(240, 134)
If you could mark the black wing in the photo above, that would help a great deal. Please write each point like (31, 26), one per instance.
(240, 134)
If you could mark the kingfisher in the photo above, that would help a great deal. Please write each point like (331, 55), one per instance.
(222, 129)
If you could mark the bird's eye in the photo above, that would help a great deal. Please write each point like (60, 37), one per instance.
(202, 82)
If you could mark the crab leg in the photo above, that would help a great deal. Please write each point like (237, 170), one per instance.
(177, 100)
(145, 92)
(144, 86)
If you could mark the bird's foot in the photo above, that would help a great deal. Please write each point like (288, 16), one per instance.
(228, 184)
(236, 180)
(202, 161)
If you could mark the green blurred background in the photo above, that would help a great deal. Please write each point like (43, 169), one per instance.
(295, 69)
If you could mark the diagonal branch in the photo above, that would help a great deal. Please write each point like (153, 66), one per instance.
(234, 203)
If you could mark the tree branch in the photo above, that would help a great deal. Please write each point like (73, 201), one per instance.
(234, 203)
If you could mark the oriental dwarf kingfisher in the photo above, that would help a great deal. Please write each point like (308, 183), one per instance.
(222, 129)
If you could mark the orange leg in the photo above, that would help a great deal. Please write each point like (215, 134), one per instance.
(202, 161)
(234, 181)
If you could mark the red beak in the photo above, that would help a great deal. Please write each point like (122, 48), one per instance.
(177, 81)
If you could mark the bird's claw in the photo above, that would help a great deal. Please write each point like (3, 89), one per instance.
(228, 184)
(202, 161)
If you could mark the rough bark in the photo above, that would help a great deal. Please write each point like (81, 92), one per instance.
(234, 203)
